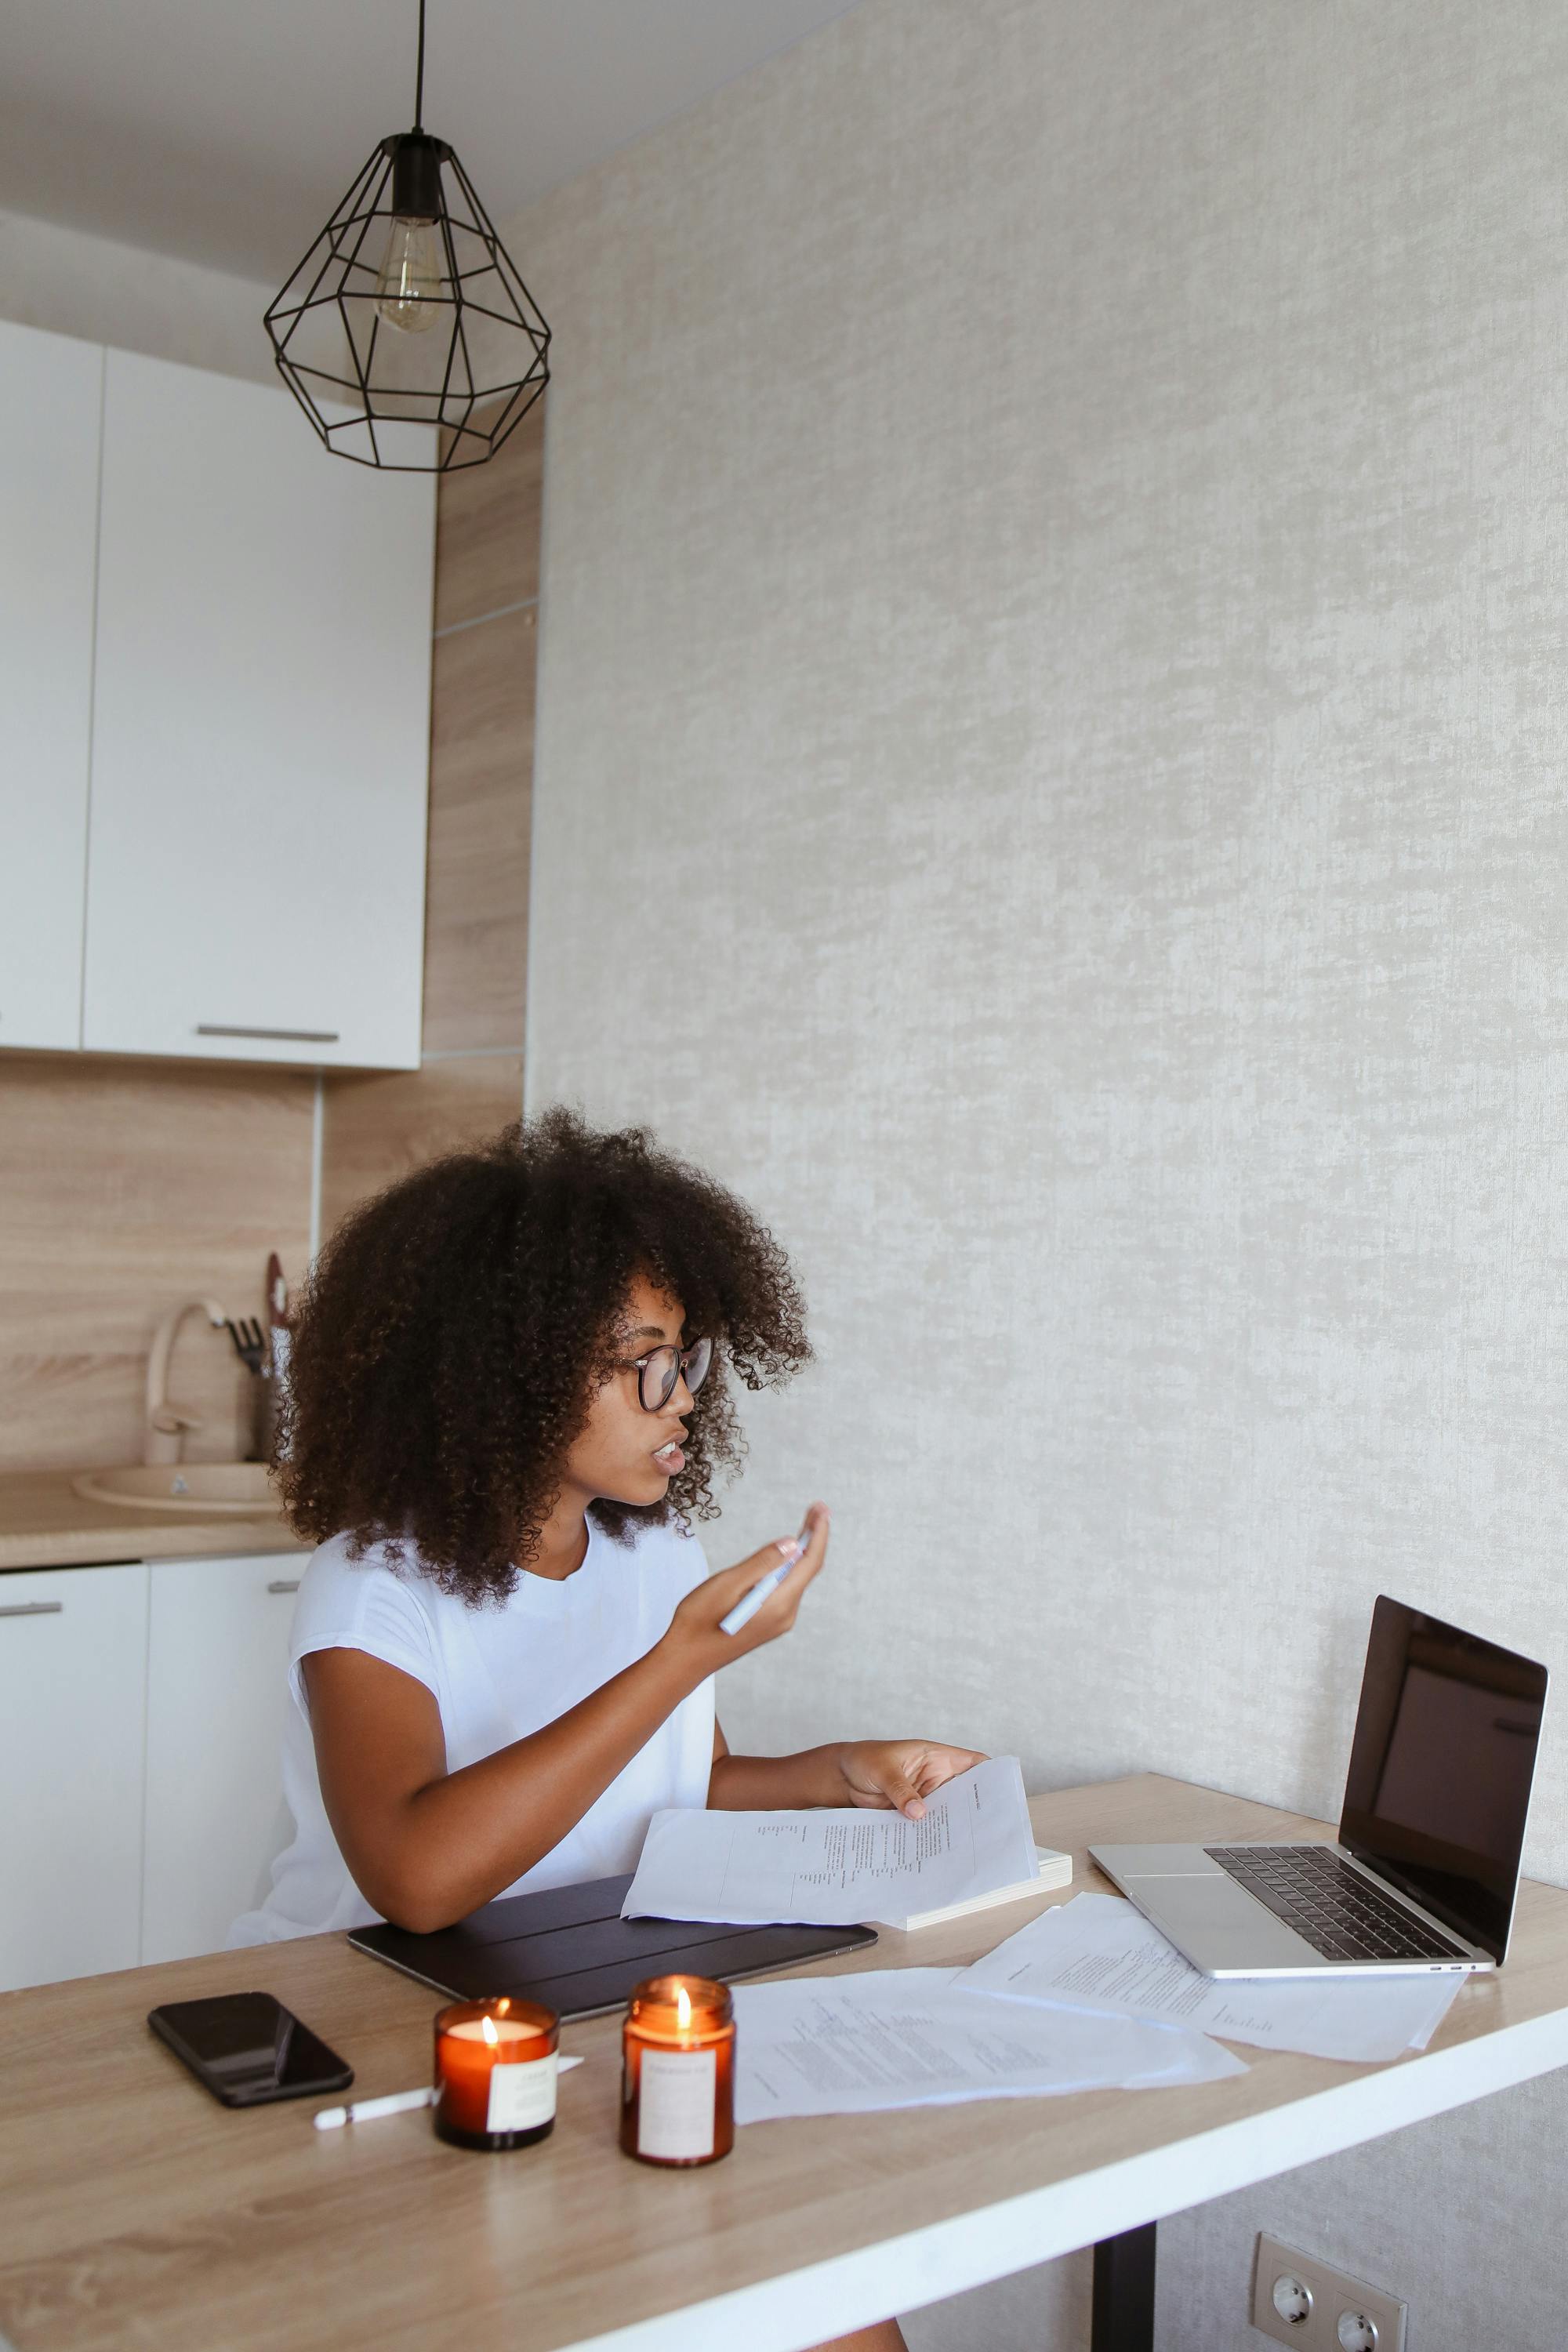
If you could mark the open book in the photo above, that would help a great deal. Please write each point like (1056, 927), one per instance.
(837, 1865)
(1055, 1870)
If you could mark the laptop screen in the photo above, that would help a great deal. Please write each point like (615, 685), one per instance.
(1438, 1785)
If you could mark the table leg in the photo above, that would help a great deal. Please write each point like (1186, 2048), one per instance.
(1124, 2292)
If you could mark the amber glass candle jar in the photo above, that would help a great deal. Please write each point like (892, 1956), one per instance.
(677, 2076)
(495, 2072)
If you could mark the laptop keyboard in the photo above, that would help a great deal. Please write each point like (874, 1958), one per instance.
(1333, 1906)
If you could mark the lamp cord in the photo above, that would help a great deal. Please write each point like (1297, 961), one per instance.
(420, 76)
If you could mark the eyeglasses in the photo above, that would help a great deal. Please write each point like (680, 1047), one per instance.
(658, 1372)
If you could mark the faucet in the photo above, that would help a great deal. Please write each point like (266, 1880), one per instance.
(165, 1424)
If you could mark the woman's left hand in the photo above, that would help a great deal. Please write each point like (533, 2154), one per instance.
(898, 1775)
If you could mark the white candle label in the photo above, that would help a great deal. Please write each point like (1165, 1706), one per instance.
(676, 2101)
(522, 2096)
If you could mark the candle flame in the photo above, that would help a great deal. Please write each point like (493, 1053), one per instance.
(682, 2007)
(488, 2030)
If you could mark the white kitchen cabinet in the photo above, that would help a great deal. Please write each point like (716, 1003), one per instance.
(217, 1663)
(50, 404)
(256, 869)
(73, 1646)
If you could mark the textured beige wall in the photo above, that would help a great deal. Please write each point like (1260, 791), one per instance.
(1051, 749)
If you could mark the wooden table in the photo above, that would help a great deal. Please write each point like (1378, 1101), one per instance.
(136, 2215)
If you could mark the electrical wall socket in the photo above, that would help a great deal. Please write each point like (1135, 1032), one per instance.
(1332, 2313)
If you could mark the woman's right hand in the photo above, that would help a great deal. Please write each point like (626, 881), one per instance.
(695, 1627)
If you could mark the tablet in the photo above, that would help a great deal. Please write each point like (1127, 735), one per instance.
(569, 1947)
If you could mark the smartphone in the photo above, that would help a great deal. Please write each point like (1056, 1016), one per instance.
(248, 2049)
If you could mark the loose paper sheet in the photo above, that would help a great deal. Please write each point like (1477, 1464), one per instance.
(906, 2038)
(831, 1866)
(1098, 1952)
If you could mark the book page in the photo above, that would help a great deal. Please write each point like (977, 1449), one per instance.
(832, 1866)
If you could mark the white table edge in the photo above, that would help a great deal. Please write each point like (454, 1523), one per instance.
(800, 2307)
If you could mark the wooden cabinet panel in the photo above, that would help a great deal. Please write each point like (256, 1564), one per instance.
(482, 803)
(217, 1659)
(487, 555)
(256, 858)
(73, 1650)
(50, 402)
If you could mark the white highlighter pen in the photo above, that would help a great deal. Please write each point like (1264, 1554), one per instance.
(749, 1603)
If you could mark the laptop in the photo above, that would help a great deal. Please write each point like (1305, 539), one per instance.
(1426, 1869)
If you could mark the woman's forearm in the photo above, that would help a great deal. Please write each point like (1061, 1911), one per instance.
(745, 1784)
(455, 1840)
(426, 1845)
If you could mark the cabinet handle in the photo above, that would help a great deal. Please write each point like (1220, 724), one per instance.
(32, 1609)
(291, 1036)
(278, 1584)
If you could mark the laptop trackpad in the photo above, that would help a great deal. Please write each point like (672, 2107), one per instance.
(1220, 1926)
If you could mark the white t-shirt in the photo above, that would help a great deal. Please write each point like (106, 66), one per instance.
(498, 1674)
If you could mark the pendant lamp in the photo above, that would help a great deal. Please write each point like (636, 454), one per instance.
(406, 333)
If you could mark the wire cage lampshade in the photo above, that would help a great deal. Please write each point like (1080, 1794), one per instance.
(406, 333)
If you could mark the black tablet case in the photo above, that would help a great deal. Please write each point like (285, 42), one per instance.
(570, 1949)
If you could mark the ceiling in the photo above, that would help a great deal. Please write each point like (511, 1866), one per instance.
(224, 130)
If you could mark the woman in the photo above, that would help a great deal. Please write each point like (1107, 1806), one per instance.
(508, 1396)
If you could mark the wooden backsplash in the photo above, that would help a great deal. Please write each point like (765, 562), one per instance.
(125, 1187)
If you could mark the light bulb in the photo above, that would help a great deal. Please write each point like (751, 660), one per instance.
(408, 289)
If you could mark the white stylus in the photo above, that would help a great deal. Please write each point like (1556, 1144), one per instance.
(749, 1603)
(396, 2103)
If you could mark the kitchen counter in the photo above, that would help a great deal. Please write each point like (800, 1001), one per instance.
(44, 1524)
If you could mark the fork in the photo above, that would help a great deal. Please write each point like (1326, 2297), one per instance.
(249, 1344)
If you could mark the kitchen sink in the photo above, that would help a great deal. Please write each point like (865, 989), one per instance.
(217, 1490)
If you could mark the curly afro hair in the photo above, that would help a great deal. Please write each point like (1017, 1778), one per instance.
(453, 1332)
